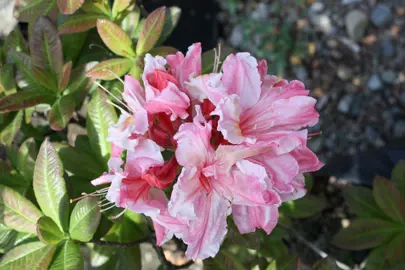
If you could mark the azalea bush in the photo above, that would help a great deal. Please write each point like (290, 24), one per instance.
(206, 151)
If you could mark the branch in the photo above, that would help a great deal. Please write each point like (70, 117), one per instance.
(117, 244)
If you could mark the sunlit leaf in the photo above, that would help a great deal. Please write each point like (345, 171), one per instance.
(48, 232)
(131, 22)
(24, 99)
(65, 76)
(15, 41)
(49, 185)
(46, 47)
(79, 23)
(389, 199)
(27, 155)
(68, 257)
(151, 30)
(97, 7)
(106, 69)
(121, 6)
(7, 238)
(84, 219)
(9, 132)
(398, 177)
(61, 112)
(101, 116)
(34, 8)
(17, 212)
(35, 255)
(361, 202)
(171, 20)
(7, 79)
(69, 6)
(365, 233)
(115, 38)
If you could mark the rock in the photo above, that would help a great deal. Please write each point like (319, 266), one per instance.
(357, 105)
(356, 23)
(381, 15)
(261, 12)
(401, 99)
(301, 73)
(316, 7)
(74, 130)
(344, 73)
(322, 101)
(345, 104)
(237, 36)
(322, 22)
(399, 129)
(387, 48)
(315, 144)
(374, 83)
(389, 76)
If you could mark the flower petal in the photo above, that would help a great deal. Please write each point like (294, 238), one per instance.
(248, 218)
(207, 86)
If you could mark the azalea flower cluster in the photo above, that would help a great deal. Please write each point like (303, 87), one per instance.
(232, 142)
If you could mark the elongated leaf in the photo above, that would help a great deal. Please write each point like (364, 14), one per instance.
(398, 177)
(15, 41)
(305, 207)
(121, 6)
(16, 212)
(101, 115)
(376, 259)
(46, 47)
(79, 23)
(9, 132)
(69, 6)
(7, 82)
(26, 159)
(105, 69)
(395, 252)
(115, 38)
(49, 185)
(131, 22)
(46, 78)
(25, 99)
(79, 162)
(48, 232)
(7, 238)
(65, 76)
(81, 84)
(389, 199)
(130, 258)
(85, 219)
(362, 203)
(97, 7)
(68, 257)
(151, 30)
(171, 20)
(365, 233)
(223, 261)
(35, 255)
(61, 112)
(33, 9)
(73, 45)
(100, 255)
(163, 51)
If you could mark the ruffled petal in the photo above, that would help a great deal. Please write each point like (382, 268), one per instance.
(207, 86)
(248, 218)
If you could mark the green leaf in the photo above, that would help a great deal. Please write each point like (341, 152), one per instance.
(115, 38)
(68, 257)
(65, 76)
(7, 238)
(398, 177)
(49, 185)
(26, 159)
(130, 23)
(171, 20)
(121, 6)
(17, 212)
(15, 40)
(9, 132)
(223, 261)
(46, 78)
(79, 162)
(33, 9)
(163, 51)
(284, 263)
(151, 30)
(69, 6)
(85, 219)
(72, 45)
(61, 112)
(395, 251)
(79, 23)
(325, 264)
(101, 115)
(304, 207)
(97, 7)
(106, 69)
(22, 100)
(46, 47)
(361, 202)
(48, 232)
(7, 81)
(35, 255)
(389, 199)
(376, 259)
(365, 233)
(80, 84)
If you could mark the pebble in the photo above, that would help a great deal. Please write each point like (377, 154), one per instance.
(381, 15)
(399, 129)
(315, 144)
(301, 73)
(356, 23)
(401, 99)
(387, 48)
(345, 104)
(357, 106)
(322, 101)
(388, 76)
(344, 73)
(237, 36)
(374, 83)
(261, 12)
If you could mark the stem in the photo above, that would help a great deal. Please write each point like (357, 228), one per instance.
(117, 244)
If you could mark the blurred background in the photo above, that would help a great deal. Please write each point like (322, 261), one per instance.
(349, 53)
